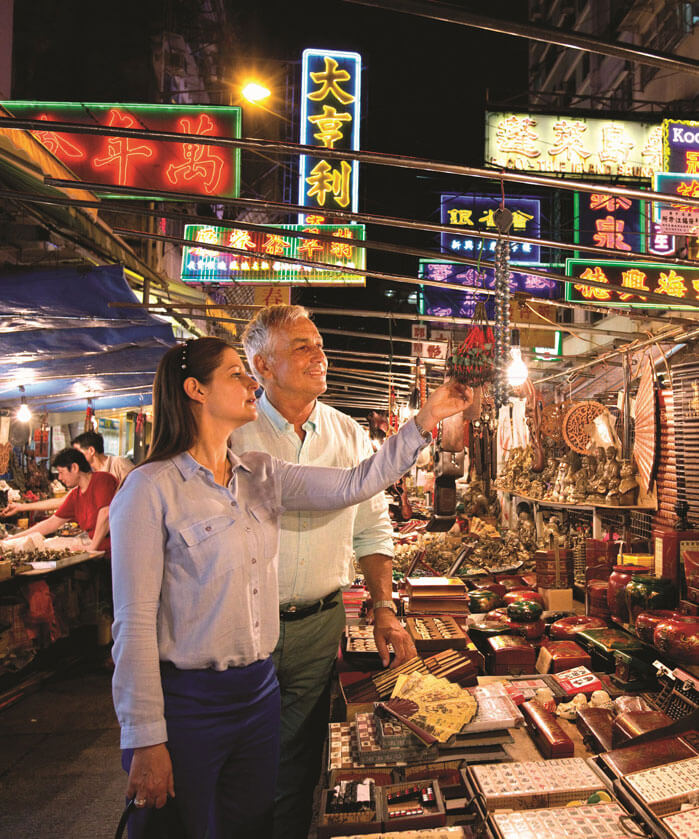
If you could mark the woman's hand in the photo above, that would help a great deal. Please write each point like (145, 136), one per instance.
(449, 398)
(150, 776)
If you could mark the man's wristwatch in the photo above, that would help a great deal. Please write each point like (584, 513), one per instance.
(426, 435)
(385, 604)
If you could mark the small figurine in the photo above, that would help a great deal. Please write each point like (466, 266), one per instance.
(612, 497)
(545, 698)
(588, 466)
(628, 485)
(551, 534)
(611, 467)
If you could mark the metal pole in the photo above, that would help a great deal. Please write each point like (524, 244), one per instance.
(547, 34)
(377, 158)
(358, 218)
(663, 299)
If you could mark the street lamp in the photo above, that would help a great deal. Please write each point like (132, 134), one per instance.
(255, 92)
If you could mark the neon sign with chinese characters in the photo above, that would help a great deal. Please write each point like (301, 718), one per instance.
(686, 185)
(547, 143)
(681, 285)
(268, 249)
(126, 161)
(451, 303)
(330, 114)
(681, 146)
(474, 212)
(608, 221)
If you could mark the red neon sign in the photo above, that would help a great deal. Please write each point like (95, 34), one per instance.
(137, 161)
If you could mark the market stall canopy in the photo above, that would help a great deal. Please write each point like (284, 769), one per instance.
(60, 340)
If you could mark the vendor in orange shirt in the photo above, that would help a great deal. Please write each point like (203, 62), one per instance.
(87, 503)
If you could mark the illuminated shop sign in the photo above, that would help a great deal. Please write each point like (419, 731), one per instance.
(452, 303)
(266, 263)
(477, 212)
(681, 285)
(680, 146)
(659, 243)
(139, 162)
(686, 185)
(330, 114)
(547, 143)
(609, 221)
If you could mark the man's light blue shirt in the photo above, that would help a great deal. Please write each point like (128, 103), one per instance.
(316, 548)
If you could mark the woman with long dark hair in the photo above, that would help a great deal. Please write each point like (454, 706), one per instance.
(195, 532)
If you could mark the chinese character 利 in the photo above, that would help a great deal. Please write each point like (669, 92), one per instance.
(323, 179)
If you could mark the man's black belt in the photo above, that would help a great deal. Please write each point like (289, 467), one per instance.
(295, 613)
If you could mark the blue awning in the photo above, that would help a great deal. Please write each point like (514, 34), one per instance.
(62, 342)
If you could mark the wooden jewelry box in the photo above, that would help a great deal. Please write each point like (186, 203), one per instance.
(546, 732)
(435, 632)
(555, 656)
(509, 655)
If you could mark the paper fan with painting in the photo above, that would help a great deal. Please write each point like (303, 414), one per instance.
(645, 446)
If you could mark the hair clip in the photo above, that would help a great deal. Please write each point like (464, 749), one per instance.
(183, 353)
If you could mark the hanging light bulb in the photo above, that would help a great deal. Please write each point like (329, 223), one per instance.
(24, 413)
(517, 371)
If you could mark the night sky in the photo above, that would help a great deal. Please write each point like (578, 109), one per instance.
(425, 88)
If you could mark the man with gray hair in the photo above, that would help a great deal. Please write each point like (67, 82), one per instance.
(285, 354)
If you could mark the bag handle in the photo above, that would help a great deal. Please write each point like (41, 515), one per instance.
(123, 821)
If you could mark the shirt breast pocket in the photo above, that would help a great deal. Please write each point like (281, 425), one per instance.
(210, 547)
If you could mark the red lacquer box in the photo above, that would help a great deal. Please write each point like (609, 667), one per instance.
(546, 732)
(555, 656)
(510, 655)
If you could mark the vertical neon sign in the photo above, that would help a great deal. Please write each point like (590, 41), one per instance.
(330, 111)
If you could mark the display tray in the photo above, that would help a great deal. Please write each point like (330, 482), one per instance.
(435, 633)
(402, 815)
(365, 820)
(42, 566)
(535, 784)
(684, 825)
(663, 789)
(381, 777)
(359, 644)
(593, 821)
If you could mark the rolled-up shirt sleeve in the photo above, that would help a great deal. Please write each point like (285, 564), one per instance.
(323, 488)
(138, 539)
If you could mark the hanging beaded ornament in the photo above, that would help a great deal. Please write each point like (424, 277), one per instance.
(472, 361)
